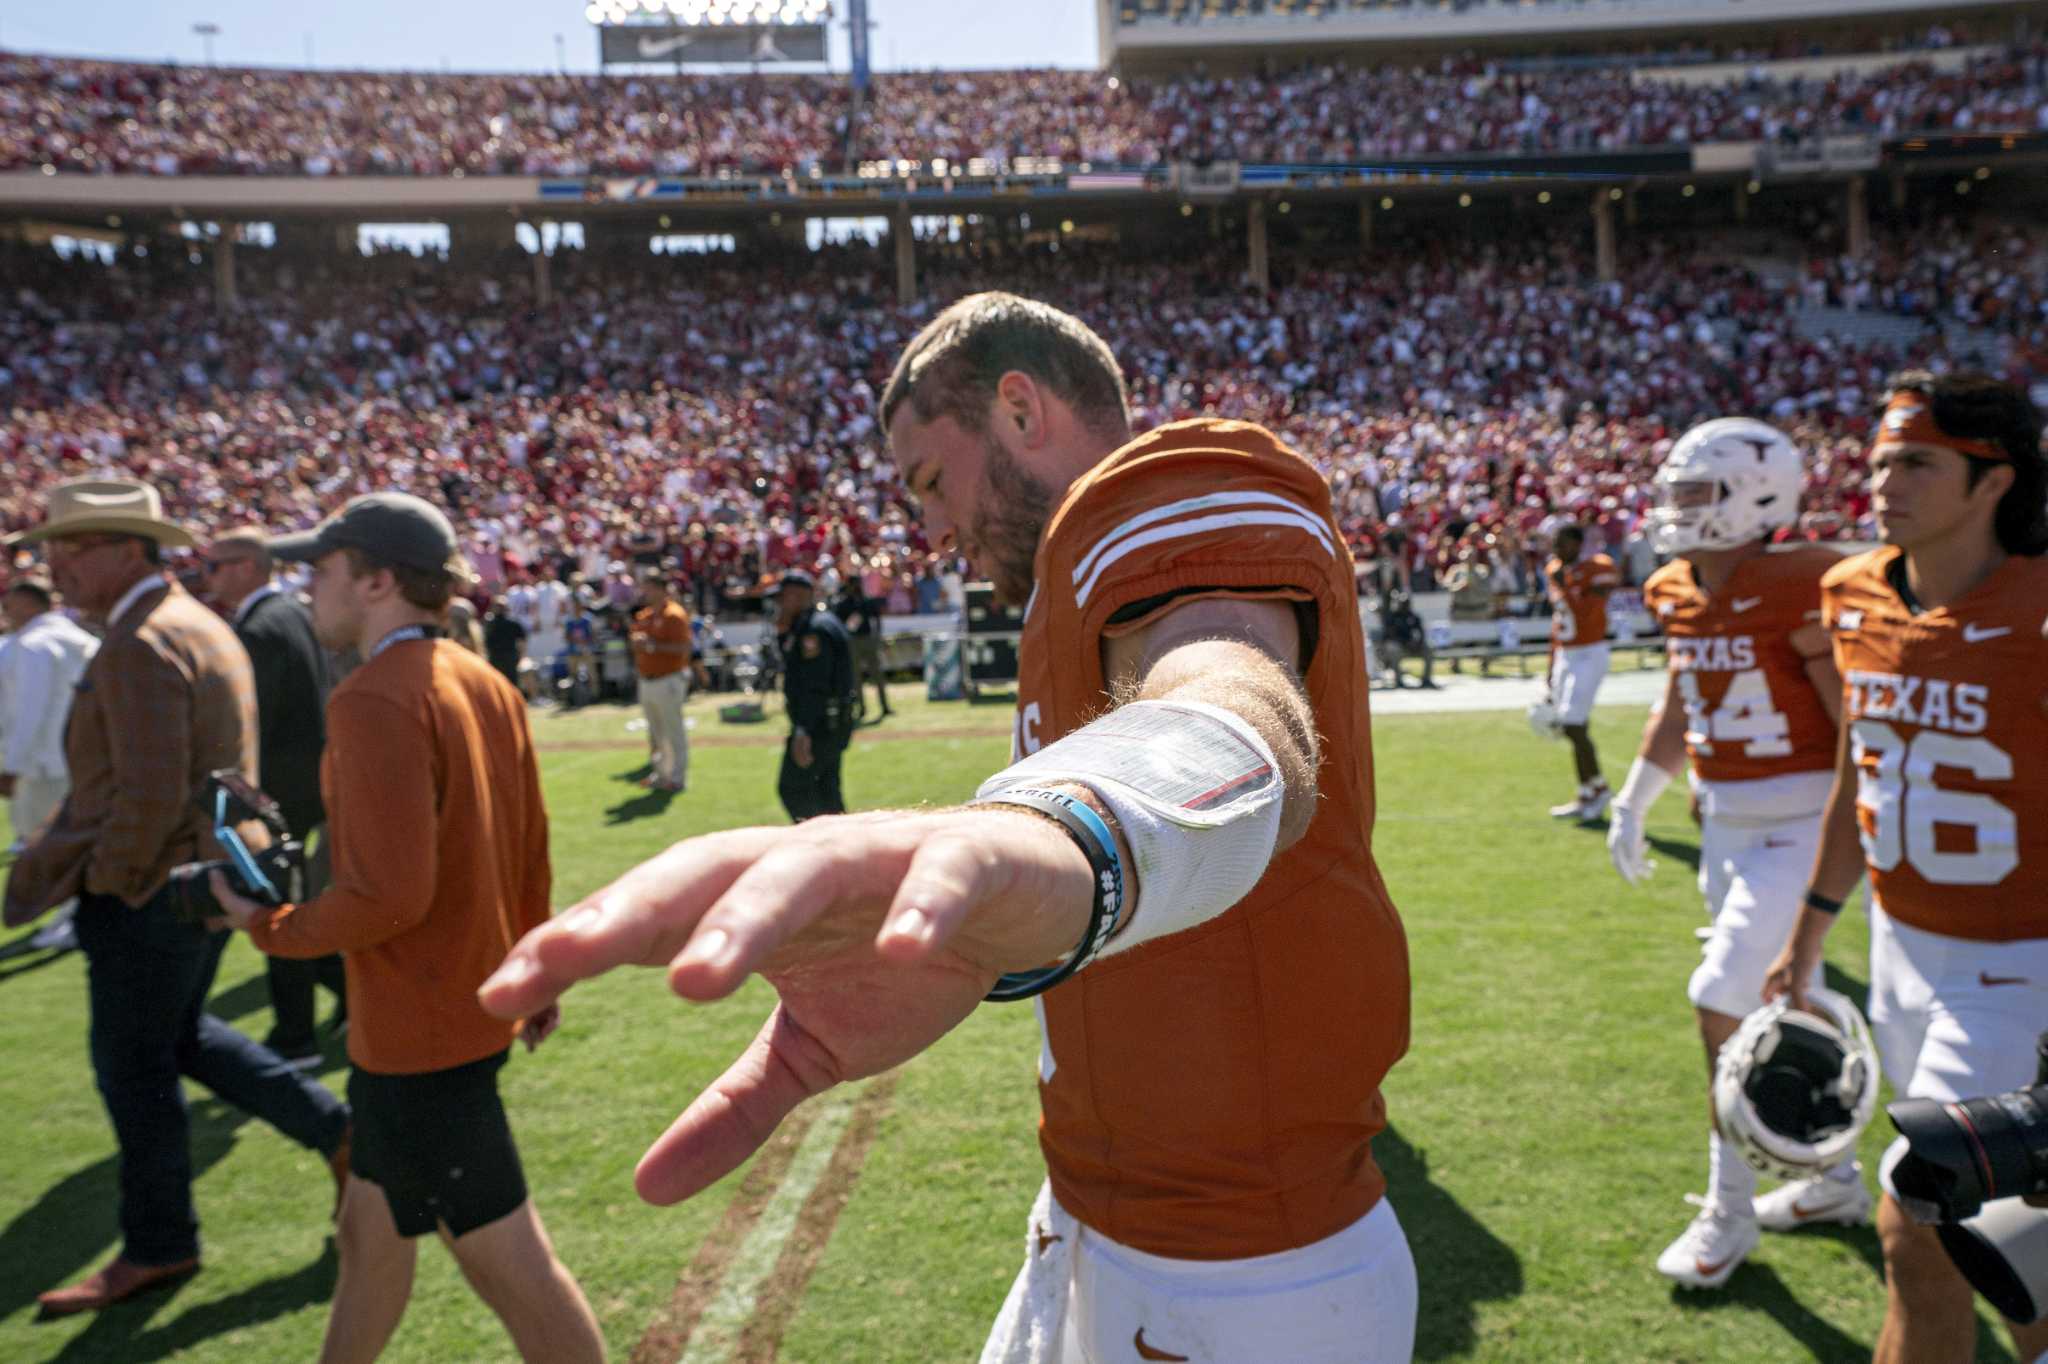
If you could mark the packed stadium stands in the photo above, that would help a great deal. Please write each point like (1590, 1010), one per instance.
(1497, 373)
(102, 117)
(726, 402)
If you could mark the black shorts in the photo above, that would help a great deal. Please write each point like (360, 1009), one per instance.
(438, 1145)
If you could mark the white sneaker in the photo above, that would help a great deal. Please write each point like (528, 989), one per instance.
(1708, 1251)
(1588, 805)
(1812, 1202)
(60, 935)
(1575, 808)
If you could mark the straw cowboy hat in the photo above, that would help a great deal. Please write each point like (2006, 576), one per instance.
(111, 506)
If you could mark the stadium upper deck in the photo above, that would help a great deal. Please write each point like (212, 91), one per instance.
(1165, 35)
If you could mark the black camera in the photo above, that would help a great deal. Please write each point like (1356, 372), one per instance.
(1966, 1155)
(275, 875)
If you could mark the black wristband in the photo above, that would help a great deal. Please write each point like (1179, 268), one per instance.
(1815, 900)
(1108, 875)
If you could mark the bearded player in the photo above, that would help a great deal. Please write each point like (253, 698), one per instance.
(1177, 870)
(1752, 701)
(1939, 639)
(1579, 586)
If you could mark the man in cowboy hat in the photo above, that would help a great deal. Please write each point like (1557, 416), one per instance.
(168, 698)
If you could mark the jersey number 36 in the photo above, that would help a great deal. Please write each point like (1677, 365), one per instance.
(1906, 806)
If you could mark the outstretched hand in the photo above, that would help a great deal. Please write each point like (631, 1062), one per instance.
(879, 933)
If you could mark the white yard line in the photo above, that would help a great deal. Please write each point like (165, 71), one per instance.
(727, 1314)
(1465, 692)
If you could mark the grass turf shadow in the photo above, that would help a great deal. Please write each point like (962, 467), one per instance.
(646, 805)
(123, 1333)
(1458, 1262)
(73, 1226)
(1756, 1287)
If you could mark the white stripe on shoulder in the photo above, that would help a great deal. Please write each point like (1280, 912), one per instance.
(1199, 526)
(1207, 502)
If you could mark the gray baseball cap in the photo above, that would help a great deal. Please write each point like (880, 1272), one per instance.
(395, 527)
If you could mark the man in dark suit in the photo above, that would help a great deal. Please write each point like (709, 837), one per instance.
(293, 678)
(168, 698)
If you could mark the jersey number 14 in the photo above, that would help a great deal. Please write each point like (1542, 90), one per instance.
(1746, 716)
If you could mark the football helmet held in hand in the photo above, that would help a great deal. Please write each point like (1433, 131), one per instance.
(1794, 1090)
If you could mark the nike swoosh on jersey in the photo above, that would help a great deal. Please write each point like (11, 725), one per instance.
(1987, 979)
(1977, 634)
(1152, 1351)
(1741, 604)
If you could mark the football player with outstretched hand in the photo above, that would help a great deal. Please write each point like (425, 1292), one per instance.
(1176, 869)
(1752, 702)
(1940, 791)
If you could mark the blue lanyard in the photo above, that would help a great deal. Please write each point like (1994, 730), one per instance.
(404, 633)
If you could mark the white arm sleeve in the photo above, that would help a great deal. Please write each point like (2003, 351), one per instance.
(1197, 793)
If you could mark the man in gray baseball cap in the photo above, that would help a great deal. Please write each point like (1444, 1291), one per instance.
(397, 528)
(440, 863)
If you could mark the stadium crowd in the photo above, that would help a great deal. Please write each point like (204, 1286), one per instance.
(107, 117)
(718, 411)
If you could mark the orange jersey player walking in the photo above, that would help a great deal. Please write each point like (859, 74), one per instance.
(1579, 584)
(1939, 793)
(1751, 702)
(1177, 868)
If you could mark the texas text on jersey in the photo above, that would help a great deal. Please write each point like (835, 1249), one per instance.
(1579, 614)
(1239, 1128)
(1947, 729)
(1751, 710)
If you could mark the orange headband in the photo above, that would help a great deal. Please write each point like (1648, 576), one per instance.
(1909, 419)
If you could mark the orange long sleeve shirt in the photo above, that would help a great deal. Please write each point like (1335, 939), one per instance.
(439, 845)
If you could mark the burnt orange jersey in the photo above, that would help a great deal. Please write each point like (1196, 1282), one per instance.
(1947, 730)
(1214, 1094)
(1750, 709)
(1578, 613)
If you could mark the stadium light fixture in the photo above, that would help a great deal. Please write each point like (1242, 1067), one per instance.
(594, 14)
(1066, 225)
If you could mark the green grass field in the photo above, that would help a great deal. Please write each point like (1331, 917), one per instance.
(1546, 1122)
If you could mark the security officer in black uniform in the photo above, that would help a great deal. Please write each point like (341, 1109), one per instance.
(818, 689)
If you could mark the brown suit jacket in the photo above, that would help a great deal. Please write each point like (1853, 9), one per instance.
(168, 698)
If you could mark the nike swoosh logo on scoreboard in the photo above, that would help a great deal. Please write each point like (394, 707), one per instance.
(1977, 634)
(1741, 604)
(651, 48)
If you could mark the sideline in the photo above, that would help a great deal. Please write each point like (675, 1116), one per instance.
(738, 1293)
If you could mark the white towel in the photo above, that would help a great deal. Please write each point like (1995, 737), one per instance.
(1034, 1316)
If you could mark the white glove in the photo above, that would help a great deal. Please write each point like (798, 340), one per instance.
(1626, 846)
